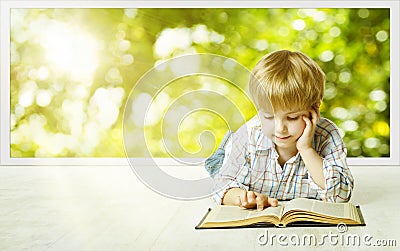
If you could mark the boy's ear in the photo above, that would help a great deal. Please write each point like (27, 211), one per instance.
(316, 109)
(316, 106)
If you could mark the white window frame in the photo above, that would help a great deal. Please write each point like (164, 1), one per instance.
(6, 5)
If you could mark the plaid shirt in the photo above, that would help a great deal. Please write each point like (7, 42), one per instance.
(251, 163)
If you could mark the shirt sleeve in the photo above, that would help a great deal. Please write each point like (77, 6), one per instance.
(235, 168)
(339, 181)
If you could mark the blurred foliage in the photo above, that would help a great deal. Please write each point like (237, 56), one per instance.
(72, 71)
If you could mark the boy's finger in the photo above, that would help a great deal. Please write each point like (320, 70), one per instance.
(260, 202)
(272, 202)
(251, 197)
(307, 121)
(239, 201)
(314, 116)
(243, 198)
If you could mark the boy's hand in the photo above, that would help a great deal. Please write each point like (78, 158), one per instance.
(305, 140)
(250, 199)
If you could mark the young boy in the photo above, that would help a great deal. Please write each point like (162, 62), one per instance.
(287, 150)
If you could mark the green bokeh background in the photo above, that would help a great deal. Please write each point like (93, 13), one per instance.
(72, 71)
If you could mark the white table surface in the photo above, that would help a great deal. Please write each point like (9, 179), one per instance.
(108, 208)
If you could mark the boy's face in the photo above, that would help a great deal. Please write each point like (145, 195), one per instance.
(284, 128)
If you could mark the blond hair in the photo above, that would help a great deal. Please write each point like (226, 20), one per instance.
(287, 79)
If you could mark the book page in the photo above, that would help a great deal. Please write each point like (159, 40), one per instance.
(339, 210)
(224, 213)
(275, 211)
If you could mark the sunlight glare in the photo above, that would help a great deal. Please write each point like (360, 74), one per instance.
(71, 51)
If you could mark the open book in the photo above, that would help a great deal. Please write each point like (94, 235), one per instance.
(296, 212)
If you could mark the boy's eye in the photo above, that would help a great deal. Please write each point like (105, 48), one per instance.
(268, 117)
(294, 118)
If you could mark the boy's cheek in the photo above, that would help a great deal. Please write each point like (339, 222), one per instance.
(268, 130)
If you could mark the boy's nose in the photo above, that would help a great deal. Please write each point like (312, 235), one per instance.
(280, 127)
